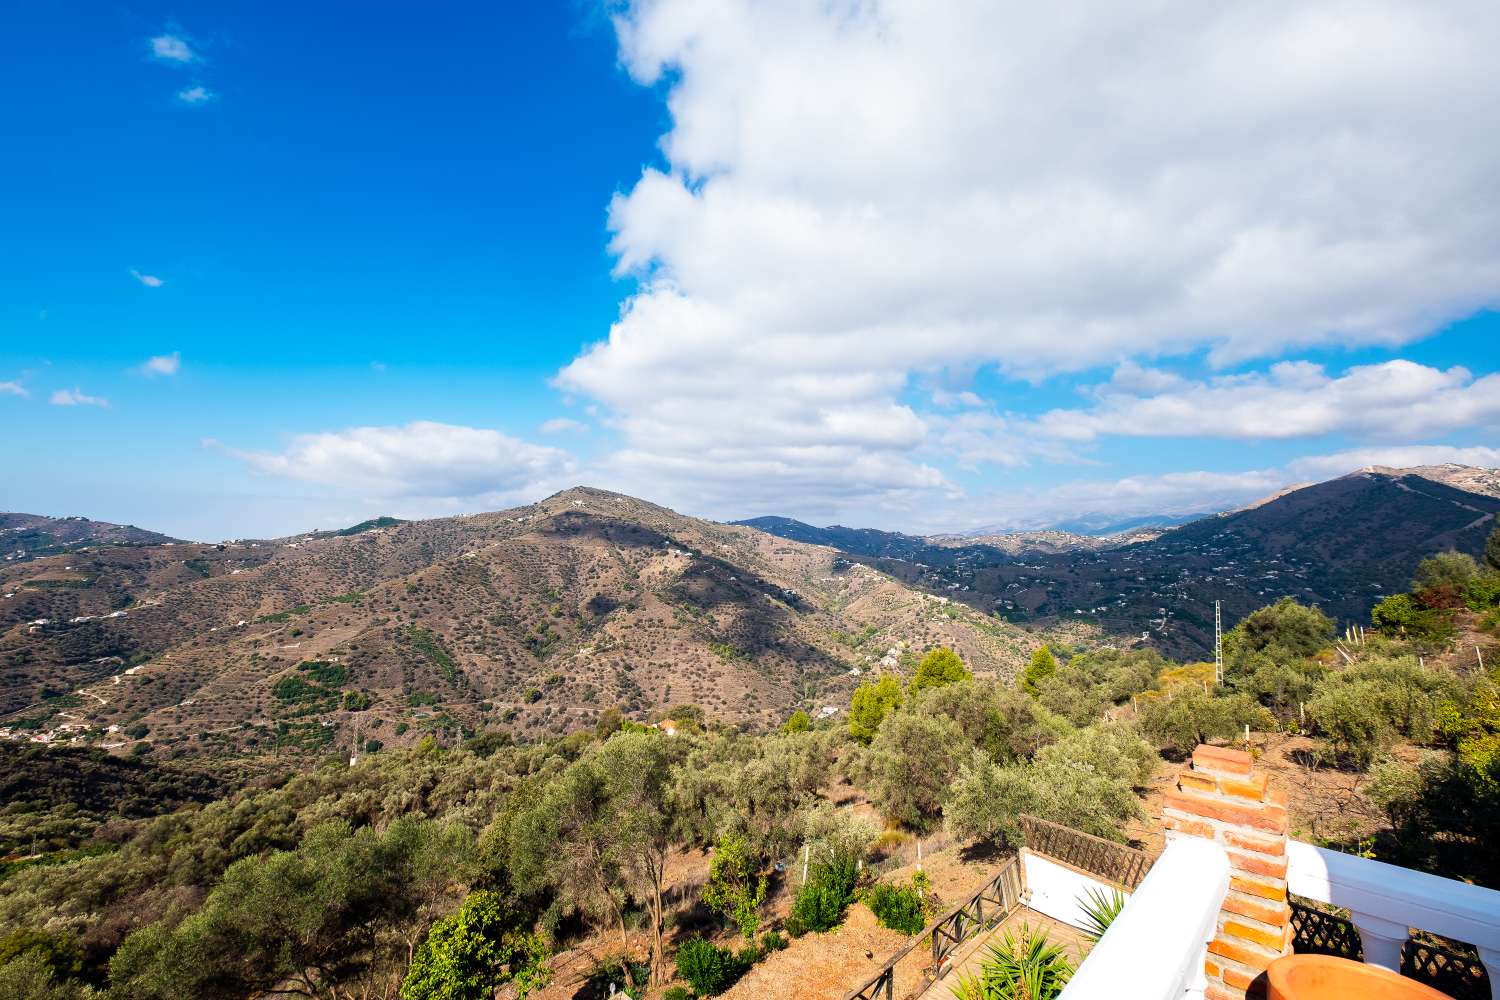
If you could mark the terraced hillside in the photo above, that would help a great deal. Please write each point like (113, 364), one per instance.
(532, 620)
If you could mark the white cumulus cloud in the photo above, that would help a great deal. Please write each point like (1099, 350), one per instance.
(196, 94)
(162, 364)
(562, 425)
(149, 280)
(172, 48)
(861, 192)
(1398, 400)
(13, 388)
(419, 459)
(76, 397)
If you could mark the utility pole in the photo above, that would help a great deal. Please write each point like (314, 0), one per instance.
(1218, 643)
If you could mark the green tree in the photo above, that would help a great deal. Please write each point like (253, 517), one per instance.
(911, 764)
(1492, 549)
(469, 954)
(1191, 716)
(29, 976)
(735, 889)
(1349, 717)
(1444, 571)
(1087, 781)
(1401, 615)
(939, 667)
(1043, 665)
(1282, 631)
(868, 707)
(800, 722)
(311, 917)
(602, 831)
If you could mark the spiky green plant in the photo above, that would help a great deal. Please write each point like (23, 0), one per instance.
(1099, 911)
(1023, 966)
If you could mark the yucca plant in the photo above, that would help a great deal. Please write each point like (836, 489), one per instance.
(1099, 911)
(1023, 966)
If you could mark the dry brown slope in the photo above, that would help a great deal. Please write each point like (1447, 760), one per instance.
(534, 619)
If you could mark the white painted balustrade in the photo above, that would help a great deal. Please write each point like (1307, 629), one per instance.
(1158, 942)
(1386, 901)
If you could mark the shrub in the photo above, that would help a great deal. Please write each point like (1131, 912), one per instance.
(800, 722)
(356, 701)
(1483, 592)
(1068, 787)
(939, 667)
(911, 765)
(898, 907)
(1401, 615)
(820, 904)
(771, 942)
(735, 890)
(677, 993)
(1043, 665)
(1191, 716)
(708, 968)
(467, 955)
(1450, 569)
(1284, 631)
(1349, 717)
(868, 707)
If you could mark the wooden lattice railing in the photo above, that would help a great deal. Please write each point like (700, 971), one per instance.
(1112, 862)
(996, 899)
(1461, 976)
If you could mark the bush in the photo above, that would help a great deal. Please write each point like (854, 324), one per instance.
(677, 993)
(1191, 716)
(800, 722)
(1086, 781)
(1401, 615)
(1283, 631)
(820, 904)
(870, 704)
(1043, 665)
(708, 968)
(1446, 570)
(771, 942)
(1483, 592)
(898, 907)
(911, 765)
(735, 889)
(1348, 716)
(940, 667)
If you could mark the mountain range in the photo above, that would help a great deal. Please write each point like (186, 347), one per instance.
(1341, 545)
(535, 620)
(532, 620)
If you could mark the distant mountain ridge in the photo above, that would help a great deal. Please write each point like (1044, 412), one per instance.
(1341, 544)
(30, 536)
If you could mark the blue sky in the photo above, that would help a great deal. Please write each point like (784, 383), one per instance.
(739, 259)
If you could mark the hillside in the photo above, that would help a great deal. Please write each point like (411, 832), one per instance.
(531, 620)
(31, 536)
(1341, 544)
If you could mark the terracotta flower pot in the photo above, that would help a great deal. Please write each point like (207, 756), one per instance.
(1324, 977)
